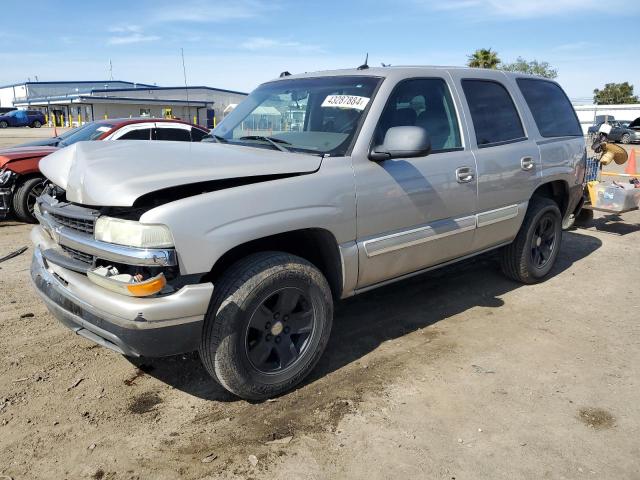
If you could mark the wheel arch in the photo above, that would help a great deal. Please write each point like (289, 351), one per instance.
(556, 190)
(316, 245)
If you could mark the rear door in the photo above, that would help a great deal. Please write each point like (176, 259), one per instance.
(508, 159)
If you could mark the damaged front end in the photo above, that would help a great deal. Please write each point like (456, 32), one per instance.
(119, 254)
(115, 280)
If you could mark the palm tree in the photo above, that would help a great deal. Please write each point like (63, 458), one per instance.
(484, 58)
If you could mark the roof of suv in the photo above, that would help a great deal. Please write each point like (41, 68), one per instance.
(405, 70)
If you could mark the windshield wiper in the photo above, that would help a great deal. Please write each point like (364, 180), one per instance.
(215, 138)
(275, 142)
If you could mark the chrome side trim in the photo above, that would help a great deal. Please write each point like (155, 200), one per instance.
(437, 230)
(497, 215)
(151, 257)
(416, 236)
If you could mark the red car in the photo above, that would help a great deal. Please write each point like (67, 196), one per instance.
(21, 181)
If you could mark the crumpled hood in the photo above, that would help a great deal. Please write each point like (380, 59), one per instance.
(21, 153)
(116, 173)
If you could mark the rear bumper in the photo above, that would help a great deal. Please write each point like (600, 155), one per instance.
(576, 200)
(150, 327)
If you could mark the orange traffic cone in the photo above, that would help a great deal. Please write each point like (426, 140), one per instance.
(631, 163)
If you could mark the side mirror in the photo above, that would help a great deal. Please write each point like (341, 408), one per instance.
(402, 142)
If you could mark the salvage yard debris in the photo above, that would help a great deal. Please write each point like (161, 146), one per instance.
(13, 254)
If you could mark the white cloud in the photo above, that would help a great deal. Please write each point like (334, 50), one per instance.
(129, 34)
(262, 43)
(516, 8)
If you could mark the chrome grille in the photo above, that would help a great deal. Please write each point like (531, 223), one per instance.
(79, 224)
(78, 255)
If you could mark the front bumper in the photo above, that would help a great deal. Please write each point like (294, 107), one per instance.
(151, 327)
(5, 202)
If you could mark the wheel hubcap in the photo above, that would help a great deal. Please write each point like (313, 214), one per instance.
(280, 330)
(544, 241)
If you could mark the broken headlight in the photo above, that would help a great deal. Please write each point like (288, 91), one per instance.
(5, 177)
(132, 233)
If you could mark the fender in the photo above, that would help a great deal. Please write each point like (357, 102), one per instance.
(206, 226)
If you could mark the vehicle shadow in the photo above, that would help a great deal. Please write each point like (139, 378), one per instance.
(363, 322)
(613, 224)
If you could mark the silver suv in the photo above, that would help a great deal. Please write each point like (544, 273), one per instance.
(317, 187)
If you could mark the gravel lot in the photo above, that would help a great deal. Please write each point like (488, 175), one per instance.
(457, 374)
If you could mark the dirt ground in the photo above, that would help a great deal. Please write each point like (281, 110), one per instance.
(14, 136)
(457, 374)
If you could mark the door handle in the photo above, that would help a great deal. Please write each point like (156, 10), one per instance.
(527, 164)
(464, 174)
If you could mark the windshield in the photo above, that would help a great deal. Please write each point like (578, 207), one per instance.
(90, 131)
(319, 115)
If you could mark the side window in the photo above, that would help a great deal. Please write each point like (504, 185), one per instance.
(551, 109)
(173, 134)
(495, 118)
(139, 134)
(423, 103)
(197, 134)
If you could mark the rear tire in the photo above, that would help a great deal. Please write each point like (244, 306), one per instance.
(24, 199)
(530, 257)
(626, 139)
(36, 124)
(267, 325)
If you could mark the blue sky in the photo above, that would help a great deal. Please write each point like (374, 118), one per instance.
(239, 44)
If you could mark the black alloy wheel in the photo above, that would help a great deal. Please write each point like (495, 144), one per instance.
(279, 330)
(543, 242)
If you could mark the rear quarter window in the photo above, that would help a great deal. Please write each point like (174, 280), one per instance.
(550, 107)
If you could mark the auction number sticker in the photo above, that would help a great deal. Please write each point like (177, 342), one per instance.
(346, 101)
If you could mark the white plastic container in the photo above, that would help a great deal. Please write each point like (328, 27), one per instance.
(616, 198)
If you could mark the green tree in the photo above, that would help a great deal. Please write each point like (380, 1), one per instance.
(484, 58)
(615, 94)
(533, 67)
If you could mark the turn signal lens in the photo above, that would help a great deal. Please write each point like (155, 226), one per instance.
(150, 287)
(124, 284)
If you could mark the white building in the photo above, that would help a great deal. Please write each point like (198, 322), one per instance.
(73, 103)
(587, 113)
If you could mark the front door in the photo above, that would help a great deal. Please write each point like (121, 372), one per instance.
(413, 213)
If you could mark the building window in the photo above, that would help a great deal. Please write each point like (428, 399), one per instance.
(145, 112)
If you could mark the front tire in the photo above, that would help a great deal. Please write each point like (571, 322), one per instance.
(530, 257)
(24, 199)
(267, 325)
(3, 124)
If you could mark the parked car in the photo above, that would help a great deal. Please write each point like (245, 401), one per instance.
(239, 249)
(22, 118)
(626, 132)
(21, 181)
(592, 131)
